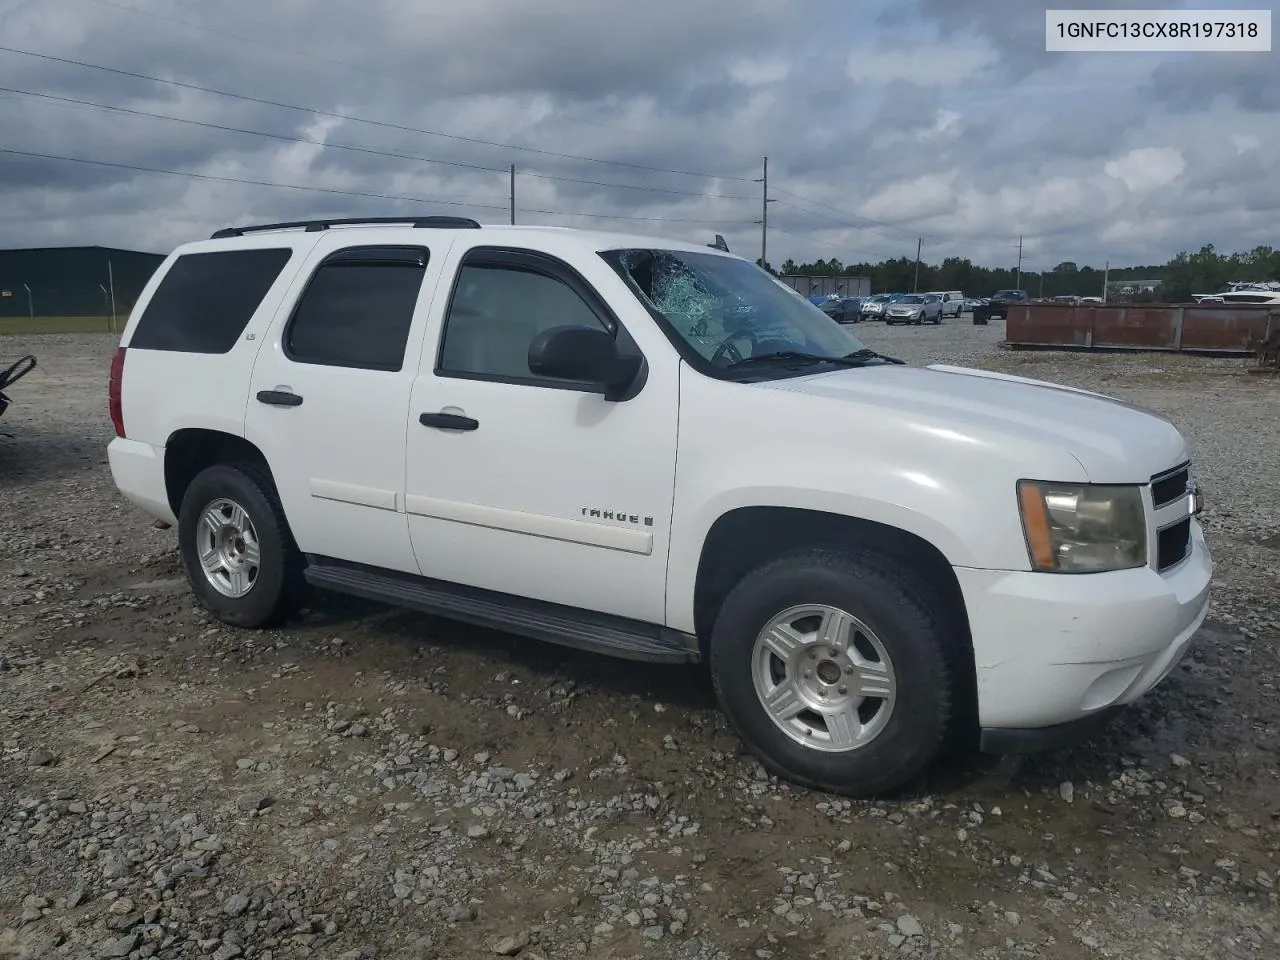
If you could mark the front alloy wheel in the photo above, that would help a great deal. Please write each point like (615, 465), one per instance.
(824, 678)
(841, 668)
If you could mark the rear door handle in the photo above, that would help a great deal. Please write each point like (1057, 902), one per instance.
(448, 421)
(279, 398)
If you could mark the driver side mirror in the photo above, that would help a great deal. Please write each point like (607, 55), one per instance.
(585, 354)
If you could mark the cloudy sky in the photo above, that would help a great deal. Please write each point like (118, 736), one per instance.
(883, 121)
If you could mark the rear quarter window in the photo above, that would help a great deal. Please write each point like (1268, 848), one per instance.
(205, 301)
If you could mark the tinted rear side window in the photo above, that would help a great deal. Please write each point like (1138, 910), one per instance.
(358, 308)
(206, 300)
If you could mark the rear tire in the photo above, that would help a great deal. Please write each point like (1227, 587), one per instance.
(893, 643)
(238, 552)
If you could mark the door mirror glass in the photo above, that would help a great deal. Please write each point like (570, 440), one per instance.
(586, 354)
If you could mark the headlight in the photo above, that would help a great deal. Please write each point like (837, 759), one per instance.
(1083, 528)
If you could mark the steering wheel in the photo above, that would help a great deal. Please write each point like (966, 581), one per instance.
(727, 352)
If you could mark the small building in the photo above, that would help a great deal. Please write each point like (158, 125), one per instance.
(73, 281)
(825, 286)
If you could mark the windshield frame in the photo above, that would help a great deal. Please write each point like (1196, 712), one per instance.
(703, 365)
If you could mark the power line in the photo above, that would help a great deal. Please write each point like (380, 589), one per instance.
(877, 258)
(847, 225)
(342, 146)
(255, 183)
(364, 120)
(353, 193)
(844, 213)
(341, 63)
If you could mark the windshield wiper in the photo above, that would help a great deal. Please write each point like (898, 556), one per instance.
(867, 354)
(859, 358)
(780, 356)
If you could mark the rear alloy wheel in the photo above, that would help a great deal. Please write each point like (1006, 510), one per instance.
(237, 549)
(838, 669)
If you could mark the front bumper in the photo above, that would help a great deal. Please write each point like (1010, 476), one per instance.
(1052, 649)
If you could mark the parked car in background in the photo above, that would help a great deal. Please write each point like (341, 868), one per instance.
(844, 310)
(997, 308)
(953, 302)
(915, 308)
(873, 307)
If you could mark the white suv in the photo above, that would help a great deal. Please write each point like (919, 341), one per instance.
(654, 450)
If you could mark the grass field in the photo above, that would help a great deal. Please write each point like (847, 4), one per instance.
(30, 325)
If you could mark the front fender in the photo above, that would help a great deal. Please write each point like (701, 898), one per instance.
(692, 523)
(761, 446)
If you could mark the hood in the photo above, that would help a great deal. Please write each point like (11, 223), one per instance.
(1114, 441)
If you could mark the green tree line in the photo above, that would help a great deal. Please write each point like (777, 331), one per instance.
(1205, 271)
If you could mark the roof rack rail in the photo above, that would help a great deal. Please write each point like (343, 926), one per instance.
(313, 226)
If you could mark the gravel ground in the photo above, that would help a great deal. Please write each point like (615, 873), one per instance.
(374, 783)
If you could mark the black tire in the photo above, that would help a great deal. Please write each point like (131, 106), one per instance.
(902, 610)
(279, 588)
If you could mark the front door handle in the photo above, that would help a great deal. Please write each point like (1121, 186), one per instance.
(448, 421)
(279, 398)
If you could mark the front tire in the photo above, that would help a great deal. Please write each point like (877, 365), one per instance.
(838, 670)
(238, 552)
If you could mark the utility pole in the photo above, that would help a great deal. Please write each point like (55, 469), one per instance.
(764, 215)
(1017, 280)
(915, 284)
(513, 193)
(111, 282)
(1106, 272)
(1041, 284)
(31, 304)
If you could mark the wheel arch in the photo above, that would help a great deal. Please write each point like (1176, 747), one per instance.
(743, 538)
(190, 450)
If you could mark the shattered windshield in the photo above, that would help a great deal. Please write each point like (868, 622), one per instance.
(729, 310)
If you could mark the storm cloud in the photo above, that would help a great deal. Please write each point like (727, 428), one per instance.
(883, 123)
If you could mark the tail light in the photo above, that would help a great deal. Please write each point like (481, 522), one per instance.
(114, 385)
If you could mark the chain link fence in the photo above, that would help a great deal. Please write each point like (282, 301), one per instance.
(77, 308)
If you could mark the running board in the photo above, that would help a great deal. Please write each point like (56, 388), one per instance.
(554, 623)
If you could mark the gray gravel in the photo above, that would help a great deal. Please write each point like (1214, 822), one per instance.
(373, 783)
